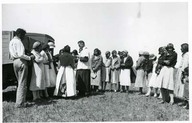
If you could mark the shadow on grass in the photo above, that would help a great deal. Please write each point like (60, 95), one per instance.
(46, 102)
(79, 96)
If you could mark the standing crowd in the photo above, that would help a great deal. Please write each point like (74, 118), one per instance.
(78, 73)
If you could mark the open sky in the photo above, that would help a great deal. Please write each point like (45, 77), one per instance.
(107, 26)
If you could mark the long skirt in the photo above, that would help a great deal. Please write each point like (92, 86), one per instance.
(125, 77)
(147, 79)
(166, 80)
(115, 76)
(96, 80)
(108, 74)
(65, 82)
(37, 77)
(179, 86)
(153, 81)
(140, 78)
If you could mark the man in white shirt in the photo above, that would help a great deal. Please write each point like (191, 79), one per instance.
(83, 70)
(17, 52)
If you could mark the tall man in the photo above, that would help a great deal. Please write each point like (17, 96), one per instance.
(17, 52)
(83, 70)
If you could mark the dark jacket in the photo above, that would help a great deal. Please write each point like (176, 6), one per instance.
(172, 58)
(128, 63)
(66, 60)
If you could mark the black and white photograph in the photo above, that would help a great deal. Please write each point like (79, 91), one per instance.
(95, 61)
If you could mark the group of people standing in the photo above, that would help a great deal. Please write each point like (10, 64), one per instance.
(78, 73)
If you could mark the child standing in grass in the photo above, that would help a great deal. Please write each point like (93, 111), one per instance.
(115, 70)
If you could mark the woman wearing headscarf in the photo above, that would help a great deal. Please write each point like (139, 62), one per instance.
(65, 82)
(179, 87)
(167, 81)
(115, 68)
(140, 67)
(125, 74)
(37, 79)
(96, 70)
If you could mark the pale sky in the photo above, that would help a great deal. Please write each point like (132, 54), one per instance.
(107, 26)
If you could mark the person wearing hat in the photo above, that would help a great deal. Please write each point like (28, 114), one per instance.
(38, 76)
(65, 82)
(125, 74)
(115, 65)
(83, 73)
(50, 75)
(20, 66)
(152, 79)
(51, 47)
(107, 65)
(167, 79)
(179, 87)
(140, 66)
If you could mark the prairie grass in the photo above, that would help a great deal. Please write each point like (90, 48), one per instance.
(108, 106)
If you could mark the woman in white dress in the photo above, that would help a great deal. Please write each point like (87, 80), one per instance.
(152, 80)
(167, 72)
(115, 68)
(140, 66)
(65, 82)
(107, 63)
(37, 79)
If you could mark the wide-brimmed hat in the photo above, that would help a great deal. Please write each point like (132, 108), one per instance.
(36, 45)
(51, 45)
(152, 57)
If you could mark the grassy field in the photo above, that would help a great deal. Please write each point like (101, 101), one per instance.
(107, 106)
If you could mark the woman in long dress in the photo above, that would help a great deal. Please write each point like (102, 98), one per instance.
(115, 68)
(37, 79)
(140, 66)
(107, 64)
(49, 71)
(65, 82)
(96, 70)
(125, 74)
(179, 86)
(167, 81)
(152, 80)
